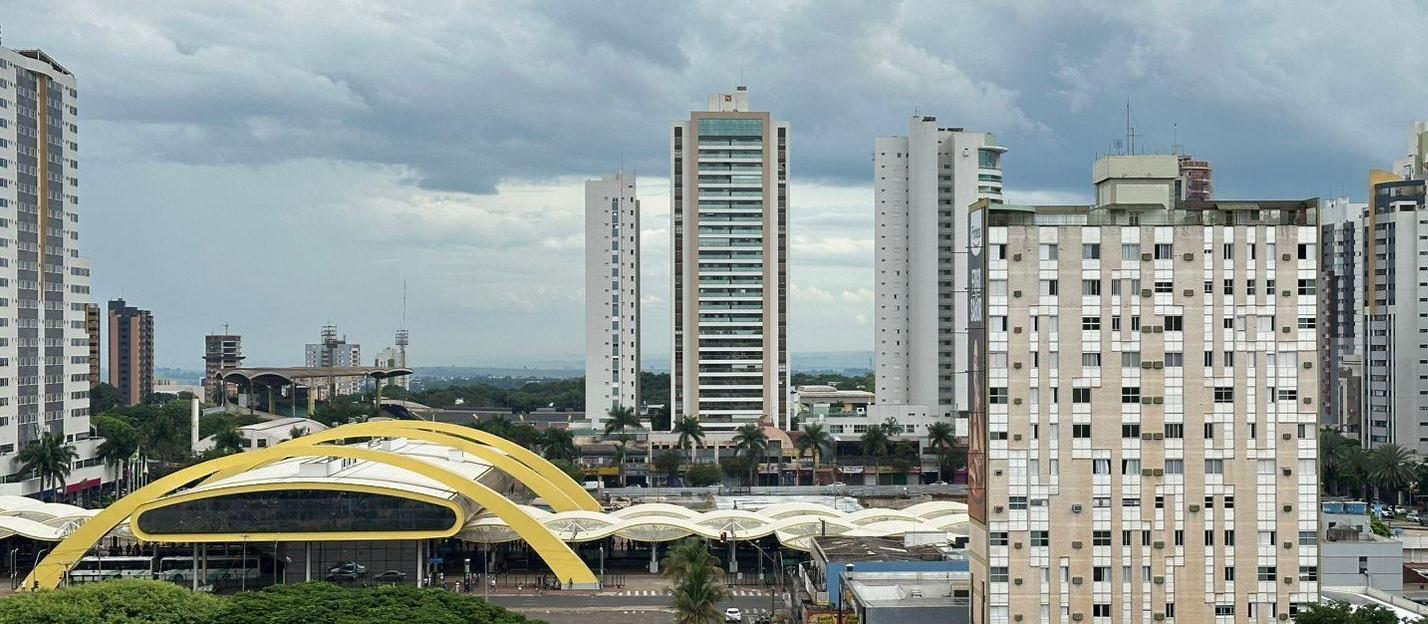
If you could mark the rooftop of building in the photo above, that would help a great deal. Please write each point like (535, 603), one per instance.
(1223, 212)
(855, 549)
(806, 393)
(909, 589)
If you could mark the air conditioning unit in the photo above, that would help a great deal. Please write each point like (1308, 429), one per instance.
(1016, 330)
(1284, 293)
(1145, 472)
(1076, 617)
(997, 472)
(1288, 545)
(1076, 546)
(1016, 293)
(1159, 617)
(1145, 436)
(1016, 545)
(1157, 400)
(1016, 436)
(1016, 365)
(1288, 472)
(1288, 580)
(1288, 508)
(1159, 472)
(1286, 330)
(1017, 617)
(1157, 436)
(1075, 580)
(1159, 545)
(1145, 364)
(1159, 580)
(1194, 508)
(1189, 292)
(1158, 329)
(1016, 401)
(1308, 365)
(1076, 508)
(1144, 256)
(1157, 365)
(1145, 292)
(1284, 257)
(1145, 400)
(1283, 617)
(997, 509)
(1016, 581)
(1188, 257)
(1016, 257)
(1308, 400)
(1285, 436)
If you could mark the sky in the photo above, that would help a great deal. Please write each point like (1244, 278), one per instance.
(278, 165)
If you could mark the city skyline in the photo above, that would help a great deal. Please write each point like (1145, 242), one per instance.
(160, 147)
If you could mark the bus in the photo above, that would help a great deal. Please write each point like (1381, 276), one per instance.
(219, 569)
(90, 569)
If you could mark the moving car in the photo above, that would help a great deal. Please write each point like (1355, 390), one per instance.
(355, 568)
(390, 576)
(732, 615)
(337, 576)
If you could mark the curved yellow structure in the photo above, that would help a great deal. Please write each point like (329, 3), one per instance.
(562, 560)
(544, 478)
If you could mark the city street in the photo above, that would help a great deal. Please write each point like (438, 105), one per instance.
(623, 607)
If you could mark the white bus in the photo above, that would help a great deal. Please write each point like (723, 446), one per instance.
(90, 569)
(218, 569)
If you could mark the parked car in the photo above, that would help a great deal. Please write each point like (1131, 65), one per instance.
(732, 615)
(338, 576)
(390, 576)
(837, 484)
(355, 568)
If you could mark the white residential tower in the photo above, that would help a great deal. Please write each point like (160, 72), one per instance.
(612, 295)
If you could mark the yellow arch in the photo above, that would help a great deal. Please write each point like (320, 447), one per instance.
(554, 496)
(574, 492)
(556, 554)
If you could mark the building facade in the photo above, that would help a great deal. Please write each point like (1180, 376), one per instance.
(1144, 427)
(1395, 336)
(335, 352)
(924, 183)
(729, 230)
(612, 295)
(220, 352)
(395, 356)
(1197, 179)
(1341, 267)
(131, 351)
(45, 349)
(92, 322)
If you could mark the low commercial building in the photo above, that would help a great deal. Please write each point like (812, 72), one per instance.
(270, 433)
(843, 567)
(1351, 554)
(908, 597)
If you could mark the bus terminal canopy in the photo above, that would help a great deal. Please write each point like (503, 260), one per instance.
(286, 376)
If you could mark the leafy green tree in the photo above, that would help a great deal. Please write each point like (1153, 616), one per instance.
(166, 433)
(750, 444)
(49, 459)
(211, 424)
(298, 432)
(817, 440)
(494, 425)
(667, 463)
(696, 592)
(942, 439)
(570, 469)
(1343, 613)
(701, 475)
(875, 442)
(619, 421)
(229, 441)
(691, 434)
(103, 398)
(558, 443)
(123, 601)
(307, 603)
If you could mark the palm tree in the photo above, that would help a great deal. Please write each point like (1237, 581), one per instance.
(1392, 466)
(875, 442)
(121, 442)
(298, 432)
(941, 437)
(48, 458)
(229, 440)
(691, 434)
(619, 460)
(620, 420)
(557, 443)
(750, 441)
(696, 591)
(815, 440)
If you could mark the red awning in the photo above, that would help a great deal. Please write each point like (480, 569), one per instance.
(81, 486)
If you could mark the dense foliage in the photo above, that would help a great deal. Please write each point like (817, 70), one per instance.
(696, 590)
(154, 602)
(1344, 613)
(523, 395)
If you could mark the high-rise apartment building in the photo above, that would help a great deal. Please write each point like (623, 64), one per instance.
(131, 351)
(729, 230)
(395, 356)
(92, 323)
(45, 352)
(1341, 267)
(1144, 415)
(334, 352)
(220, 352)
(1196, 181)
(923, 184)
(1392, 332)
(612, 295)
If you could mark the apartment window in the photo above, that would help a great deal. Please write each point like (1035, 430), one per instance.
(1091, 323)
(1091, 251)
(1164, 287)
(1229, 287)
(1308, 573)
(1306, 322)
(1163, 251)
(1091, 287)
(1130, 359)
(1130, 251)
(1174, 466)
(1048, 288)
(1209, 358)
(1100, 538)
(1306, 287)
(1224, 395)
(1101, 466)
(1174, 323)
(1179, 537)
(1174, 431)
(1040, 538)
(1209, 431)
(1102, 574)
(1306, 251)
(1214, 466)
(1308, 538)
(1229, 359)
(1266, 573)
(1130, 467)
(1129, 395)
(1229, 251)
(1174, 359)
(1229, 537)
(1081, 395)
(1081, 431)
(1209, 287)
(998, 538)
(997, 574)
(1048, 251)
(1091, 360)
(998, 395)
(1115, 319)
(1016, 503)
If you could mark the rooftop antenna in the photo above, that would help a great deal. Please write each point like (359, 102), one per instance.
(1130, 130)
(1175, 146)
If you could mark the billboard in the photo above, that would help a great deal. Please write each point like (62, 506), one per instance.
(977, 360)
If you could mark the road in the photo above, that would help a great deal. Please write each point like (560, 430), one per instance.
(621, 607)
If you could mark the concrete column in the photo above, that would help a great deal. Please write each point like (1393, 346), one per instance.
(654, 558)
(307, 565)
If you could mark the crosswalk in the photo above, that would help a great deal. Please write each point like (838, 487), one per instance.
(665, 592)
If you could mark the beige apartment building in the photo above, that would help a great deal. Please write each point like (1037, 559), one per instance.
(1144, 406)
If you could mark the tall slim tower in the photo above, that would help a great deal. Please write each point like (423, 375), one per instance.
(131, 351)
(92, 323)
(729, 229)
(612, 295)
(46, 283)
(923, 184)
(220, 352)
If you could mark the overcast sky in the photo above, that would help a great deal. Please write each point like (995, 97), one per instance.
(277, 165)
